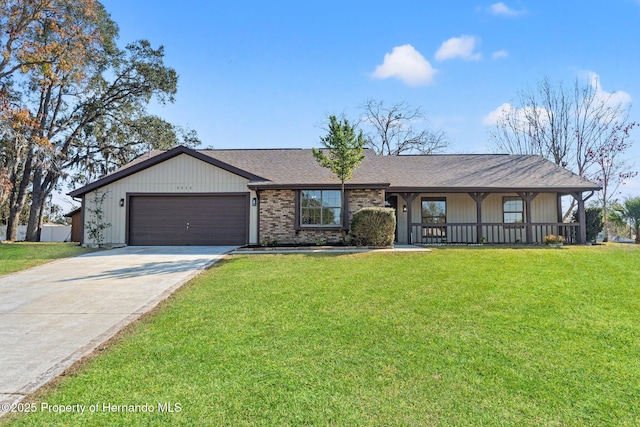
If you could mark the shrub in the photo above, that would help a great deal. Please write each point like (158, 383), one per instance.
(373, 226)
(595, 224)
(552, 239)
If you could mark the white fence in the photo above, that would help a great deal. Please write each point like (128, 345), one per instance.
(50, 233)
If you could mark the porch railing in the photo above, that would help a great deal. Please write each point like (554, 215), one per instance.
(429, 233)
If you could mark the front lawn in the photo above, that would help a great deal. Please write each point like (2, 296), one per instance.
(458, 336)
(22, 255)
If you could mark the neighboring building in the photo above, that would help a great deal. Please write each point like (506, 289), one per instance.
(76, 225)
(236, 197)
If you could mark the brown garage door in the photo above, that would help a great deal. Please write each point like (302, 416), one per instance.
(180, 220)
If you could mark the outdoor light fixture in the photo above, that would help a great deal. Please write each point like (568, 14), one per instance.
(254, 202)
(404, 208)
(121, 202)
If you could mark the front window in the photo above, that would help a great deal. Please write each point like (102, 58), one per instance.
(320, 208)
(434, 210)
(512, 210)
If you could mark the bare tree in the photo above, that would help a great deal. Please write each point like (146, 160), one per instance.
(398, 129)
(611, 168)
(561, 124)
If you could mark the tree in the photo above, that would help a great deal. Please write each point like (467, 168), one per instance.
(561, 124)
(85, 98)
(108, 144)
(628, 213)
(593, 216)
(343, 148)
(611, 167)
(18, 136)
(49, 46)
(39, 34)
(395, 130)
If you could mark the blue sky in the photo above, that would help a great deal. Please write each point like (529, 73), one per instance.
(266, 74)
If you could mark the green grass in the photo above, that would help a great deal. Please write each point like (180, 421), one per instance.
(468, 336)
(22, 255)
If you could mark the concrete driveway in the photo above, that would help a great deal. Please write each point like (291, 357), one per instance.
(53, 315)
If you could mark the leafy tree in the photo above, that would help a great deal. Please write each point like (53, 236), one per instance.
(44, 34)
(342, 151)
(628, 213)
(83, 100)
(593, 216)
(18, 137)
(563, 124)
(50, 45)
(396, 131)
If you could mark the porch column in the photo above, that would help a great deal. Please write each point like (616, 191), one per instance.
(408, 198)
(559, 207)
(528, 198)
(582, 218)
(478, 197)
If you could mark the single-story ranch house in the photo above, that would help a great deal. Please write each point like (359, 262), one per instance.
(237, 197)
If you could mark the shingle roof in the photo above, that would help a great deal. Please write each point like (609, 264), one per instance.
(478, 171)
(451, 171)
(293, 167)
(446, 173)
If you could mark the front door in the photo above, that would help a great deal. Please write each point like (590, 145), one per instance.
(392, 202)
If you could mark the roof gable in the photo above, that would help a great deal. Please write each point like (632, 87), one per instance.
(137, 166)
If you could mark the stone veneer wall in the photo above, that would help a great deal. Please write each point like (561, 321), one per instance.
(277, 216)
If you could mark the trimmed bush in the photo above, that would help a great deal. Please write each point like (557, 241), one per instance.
(373, 226)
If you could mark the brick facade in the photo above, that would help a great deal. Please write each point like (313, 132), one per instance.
(277, 216)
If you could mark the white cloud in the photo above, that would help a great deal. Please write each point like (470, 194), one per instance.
(500, 54)
(501, 9)
(517, 116)
(406, 64)
(459, 47)
(493, 117)
(613, 99)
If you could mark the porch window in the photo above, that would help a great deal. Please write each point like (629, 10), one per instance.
(320, 208)
(434, 211)
(512, 210)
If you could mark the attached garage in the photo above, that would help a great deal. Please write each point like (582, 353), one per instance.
(188, 219)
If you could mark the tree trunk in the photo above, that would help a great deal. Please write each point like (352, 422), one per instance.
(605, 219)
(18, 198)
(35, 212)
(41, 190)
(638, 236)
(15, 207)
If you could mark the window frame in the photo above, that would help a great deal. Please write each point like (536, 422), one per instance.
(301, 208)
(506, 199)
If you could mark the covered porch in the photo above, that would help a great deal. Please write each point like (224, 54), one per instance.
(494, 216)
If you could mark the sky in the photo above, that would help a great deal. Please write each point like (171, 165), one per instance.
(256, 74)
